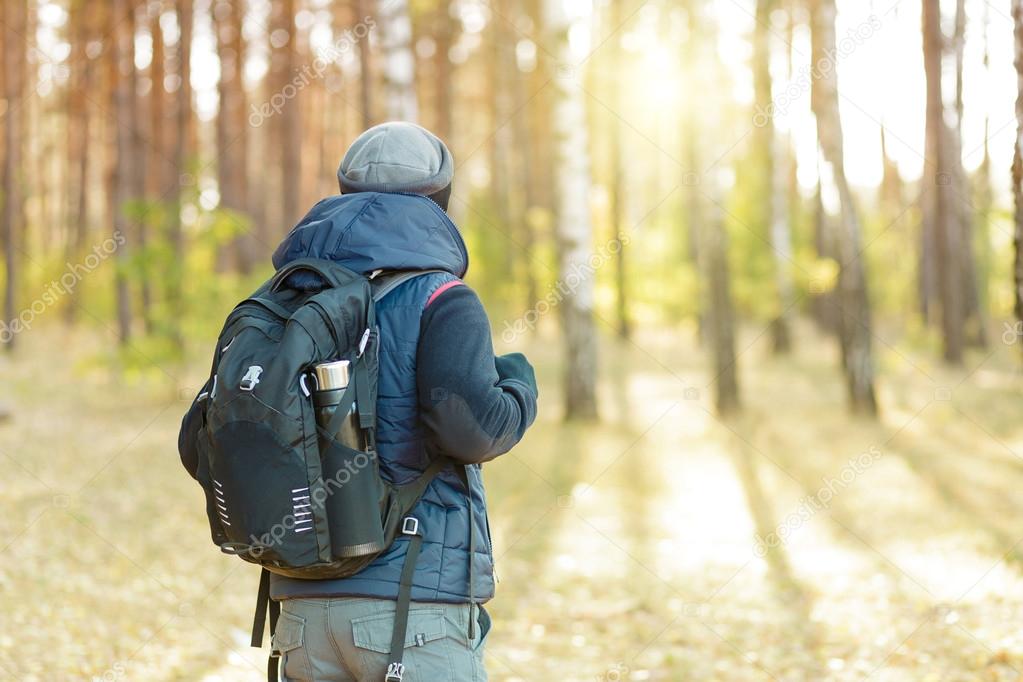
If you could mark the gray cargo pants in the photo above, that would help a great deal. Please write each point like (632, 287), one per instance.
(348, 639)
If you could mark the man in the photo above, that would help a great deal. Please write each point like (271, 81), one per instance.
(441, 392)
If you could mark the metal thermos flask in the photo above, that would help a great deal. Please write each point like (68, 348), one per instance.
(332, 380)
(350, 472)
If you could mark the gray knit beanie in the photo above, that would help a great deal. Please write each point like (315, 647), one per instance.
(396, 157)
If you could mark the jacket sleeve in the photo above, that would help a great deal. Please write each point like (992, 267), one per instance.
(474, 406)
(187, 436)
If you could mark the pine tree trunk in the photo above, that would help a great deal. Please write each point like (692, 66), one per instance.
(286, 125)
(853, 302)
(937, 191)
(79, 118)
(1017, 163)
(444, 32)
(773, 218)
(12, 23)
(399, 62)
(155, 220)
(720, 313)
(363, 9)
(122, 31)
(232, 125)
(574, 230)
(623, 325)
(182, 135)
(975, 317)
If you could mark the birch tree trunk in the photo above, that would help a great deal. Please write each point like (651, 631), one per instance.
(574, 231)
(854, 321)
(399, 62)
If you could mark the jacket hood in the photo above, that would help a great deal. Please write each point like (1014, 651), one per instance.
(371, 231)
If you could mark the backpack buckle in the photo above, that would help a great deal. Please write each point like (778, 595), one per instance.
(395, 671)
(251, 378)
(410, 526)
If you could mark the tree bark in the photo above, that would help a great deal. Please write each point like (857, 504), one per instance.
(14, 18)
(286, 126)
(623, 324)
(445, 35)
(232, 126)
(942, 210)
(363, 9)
(974, 315)
(79, 119)
(122, 30)
(720, 313)
(573, 224)
(399, 62)
(176, 194)
(773, 217)
(853, 300)
(1017, 162)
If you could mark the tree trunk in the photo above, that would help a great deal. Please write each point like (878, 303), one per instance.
(985, 197)
(943, 212)
(365, 8)
(79, 118)
(444, 33)
(853, 301)
(399, 62)
(286, 125)
(1017, 162)
(773, 218)
(141, 132)
(720, 312)
(182, 135)
(12, 22)
(155, 220)
(232, 126)
(122, 31)
(623, 325)
(974, 315)
(891, 183)
(573, 225)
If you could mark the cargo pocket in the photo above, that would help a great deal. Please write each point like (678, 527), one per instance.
(427, 655)
(287, 642)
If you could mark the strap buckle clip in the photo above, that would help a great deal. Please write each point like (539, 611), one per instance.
(395, 671)
(410, 526)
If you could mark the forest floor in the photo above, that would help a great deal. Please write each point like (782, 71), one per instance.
(890, 550)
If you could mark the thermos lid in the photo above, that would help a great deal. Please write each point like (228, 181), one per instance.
(332, 375)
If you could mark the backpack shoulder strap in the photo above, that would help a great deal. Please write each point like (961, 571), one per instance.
(387, 282)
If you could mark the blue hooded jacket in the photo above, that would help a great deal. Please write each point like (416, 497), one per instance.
(373, 231)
